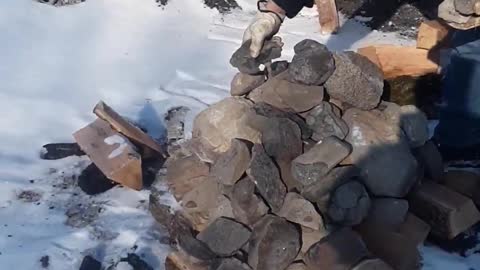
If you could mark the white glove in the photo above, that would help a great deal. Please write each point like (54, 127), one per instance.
(265, 25)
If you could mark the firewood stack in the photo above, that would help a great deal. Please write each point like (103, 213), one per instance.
(305, 167)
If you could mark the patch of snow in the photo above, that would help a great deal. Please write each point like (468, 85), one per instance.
(121, 142)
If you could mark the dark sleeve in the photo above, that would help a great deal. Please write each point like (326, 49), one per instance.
(293, 7)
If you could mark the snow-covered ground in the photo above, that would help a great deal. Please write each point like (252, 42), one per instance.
(57, 63)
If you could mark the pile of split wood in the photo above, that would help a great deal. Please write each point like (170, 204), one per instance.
(305, 167)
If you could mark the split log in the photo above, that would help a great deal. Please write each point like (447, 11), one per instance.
(431, 34)
(112, 152)
(327, 16)
(397, 61)
(103, 111)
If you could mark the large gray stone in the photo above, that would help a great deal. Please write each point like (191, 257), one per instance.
(224, 236)
(185, 173)
(312, 64)
(388, 212)
(415, 125)
(429, 156)
(356, 81)
(349, 204)
(248, 208)
(298, 210)
(274, 244)
(381, 153)
(325, 122)
(231, 165)
(243, 83)
(245, 63)
(264, 173)
(319, 160)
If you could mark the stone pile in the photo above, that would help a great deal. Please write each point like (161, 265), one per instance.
(305, 167)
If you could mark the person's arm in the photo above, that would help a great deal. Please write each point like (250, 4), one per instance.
(268, 20)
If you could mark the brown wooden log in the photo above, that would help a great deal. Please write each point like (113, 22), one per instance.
(112, 153)
(327, 16)
(103, 111)
(396, 61)
(431, 34)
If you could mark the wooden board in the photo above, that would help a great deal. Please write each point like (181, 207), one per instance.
(432, 34)
(327, 16)
(112, 153)
(396, 61)
(103, 111)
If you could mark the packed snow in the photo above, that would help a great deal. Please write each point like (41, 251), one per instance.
(141, 59)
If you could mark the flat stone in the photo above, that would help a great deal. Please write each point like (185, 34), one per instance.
(248, 208)
(328, 183)
(266, 177)
(274, 244)
(464, 182)
(373, 264)
(356, 81)
(285, 95)
(349, 204)
(415, 229)
(378, 150)
(448, 212)
(191, 245)
(414, 124)
(432, 160)
(319, 160)
(340, 250)
(224, 236)
(231, 165)
(310, 237)
(243, 83)
(245, 63)
(388, 211)
(300, 211)
(229, 264)
(185, 173)
(216, 126)
(312, 63)
(325, 122)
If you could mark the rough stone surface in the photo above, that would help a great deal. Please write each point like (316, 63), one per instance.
(340, 250)
(285, 95)
(266, 177)
(355, 81)
(245, 63)
(310, 237)
(312, 64)
(90, 263)
(216, 126)
(378, 150)
(464, 182)
(247, 207)
(185, 173)
(388, 211)
(278, 67)
(325, 122)
(231, 165)
(297, 266)
(429, 156)
(328, 183)
(191, 245)
(274, 244)
(224, 236)
(467, 7)
(281, 139)
(349, 204)
(319, 160)
(415, 125)
(298, 210)
(243, 83)
(373, 264)
(229, 264)
(415, 229)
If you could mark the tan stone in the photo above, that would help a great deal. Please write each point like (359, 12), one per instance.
(231, 165)
(300, 211)
(184, 174)
(179, 261)
(310, 237)
(448, 212)
(431, 34)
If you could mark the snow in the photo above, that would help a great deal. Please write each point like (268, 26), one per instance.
(57, 63)
(121, 143)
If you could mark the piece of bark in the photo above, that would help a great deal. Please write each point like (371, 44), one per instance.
(103, 111)
(396, 61)
(448, 212)
(431, 34)
(327, 16)
(112, 153)
(179, 261)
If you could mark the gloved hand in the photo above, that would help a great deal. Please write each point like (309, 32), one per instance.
(266, 24)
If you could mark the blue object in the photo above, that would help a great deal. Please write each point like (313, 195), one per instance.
(459, 124)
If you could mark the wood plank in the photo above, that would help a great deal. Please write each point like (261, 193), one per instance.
(147, 144)
(112, 153)
(432, 34)
(396, 61)
(327, 16)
